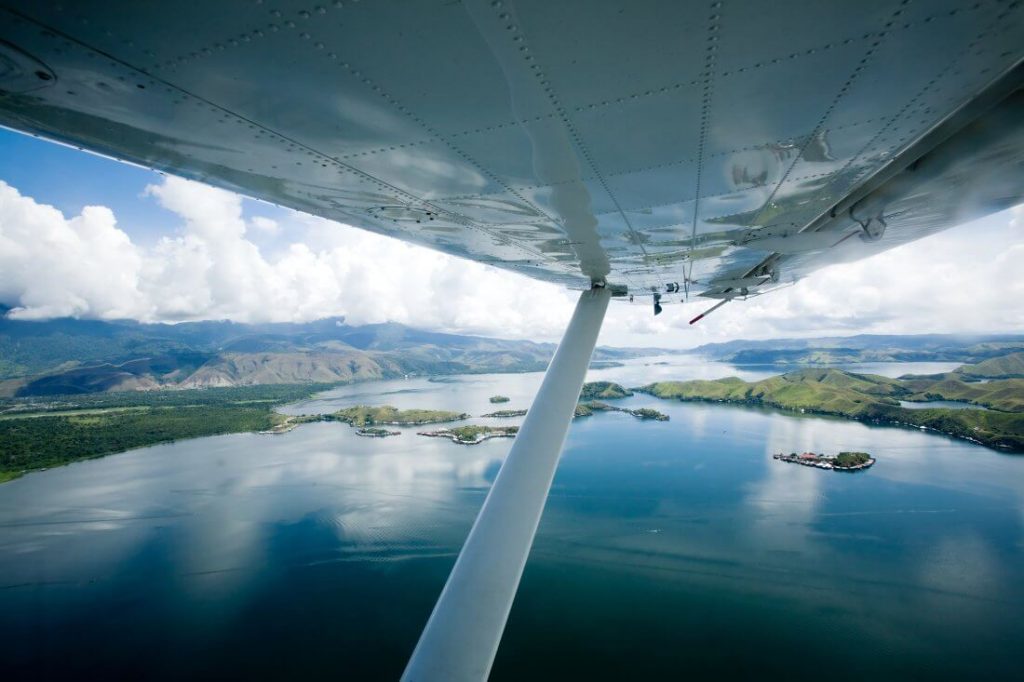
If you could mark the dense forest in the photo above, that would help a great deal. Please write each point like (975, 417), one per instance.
(39, 433)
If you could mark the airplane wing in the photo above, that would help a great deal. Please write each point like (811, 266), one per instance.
(625, 148)
(722, 148)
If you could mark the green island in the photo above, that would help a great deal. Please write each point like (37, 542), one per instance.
(844, 461)
(376, 432)
(586, 409)
(499, 399)
(998, 422)
(502, 414)
(472, 434)
(366, 415)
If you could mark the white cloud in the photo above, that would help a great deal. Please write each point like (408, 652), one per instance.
(86, 266)
(265, 225)
(966, 279)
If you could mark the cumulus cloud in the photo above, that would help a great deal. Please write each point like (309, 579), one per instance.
(87, 266)
(965, 280)
(218, 265)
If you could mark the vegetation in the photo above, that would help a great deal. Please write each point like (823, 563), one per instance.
(588, 408)
(375, 432)
(39, 434)
(499, 399)
(67, 356)
(471, 434)
(505, 413)
(846, 460)
(365, 415)
(1006, 395)
(874, 398)
(864, 348)
(648, 413)
(1009, 366)
(603, 390)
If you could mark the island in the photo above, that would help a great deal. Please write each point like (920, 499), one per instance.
(365, 415)
(375, 432)
(502, 414)
(588, 408)
(499, 398)
(472, 434)
(844, 461)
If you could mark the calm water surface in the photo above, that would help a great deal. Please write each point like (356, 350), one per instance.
(667, 550)
(948, 404)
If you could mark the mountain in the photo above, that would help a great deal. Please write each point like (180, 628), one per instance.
(1005, 367)
(69, 356)
(865, 348)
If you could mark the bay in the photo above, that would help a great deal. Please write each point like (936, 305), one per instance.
(667, 549)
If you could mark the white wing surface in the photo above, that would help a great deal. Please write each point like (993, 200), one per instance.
(721, 148)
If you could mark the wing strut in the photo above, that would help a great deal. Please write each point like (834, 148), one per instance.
(462, 635)
(710, 310)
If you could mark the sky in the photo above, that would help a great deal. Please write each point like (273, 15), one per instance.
(89, 237)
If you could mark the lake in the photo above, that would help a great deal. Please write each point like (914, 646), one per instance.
(667, 549)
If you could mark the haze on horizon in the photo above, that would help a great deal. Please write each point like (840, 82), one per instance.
(111, 241)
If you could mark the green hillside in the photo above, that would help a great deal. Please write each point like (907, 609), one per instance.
(875, 398)
(1006, 367)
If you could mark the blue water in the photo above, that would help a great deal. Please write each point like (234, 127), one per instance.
(948, 404)
(667, 550)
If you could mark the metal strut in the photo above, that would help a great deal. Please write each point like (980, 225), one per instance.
(461, 638)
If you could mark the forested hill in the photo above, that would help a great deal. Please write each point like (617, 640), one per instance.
(865, 348)
(69, 356)
(998, 421)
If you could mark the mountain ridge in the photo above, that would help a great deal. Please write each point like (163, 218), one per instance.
(69, 356)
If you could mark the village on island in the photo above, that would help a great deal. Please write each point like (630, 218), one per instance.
(844, 461)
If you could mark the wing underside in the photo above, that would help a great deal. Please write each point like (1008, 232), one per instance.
(722, 148)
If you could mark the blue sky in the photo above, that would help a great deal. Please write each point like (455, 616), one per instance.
(160, 248)
(69, 179)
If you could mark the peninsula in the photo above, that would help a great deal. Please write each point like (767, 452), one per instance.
(997, 420)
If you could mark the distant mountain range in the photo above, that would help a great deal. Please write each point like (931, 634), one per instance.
(69, 356)
(864, 348)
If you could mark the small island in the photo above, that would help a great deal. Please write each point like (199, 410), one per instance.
(844, 461)
(499, 399)
(365, 415)
(375, 432)
(502, 414)
(472, 434)
(588, 408)
(367, 419)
